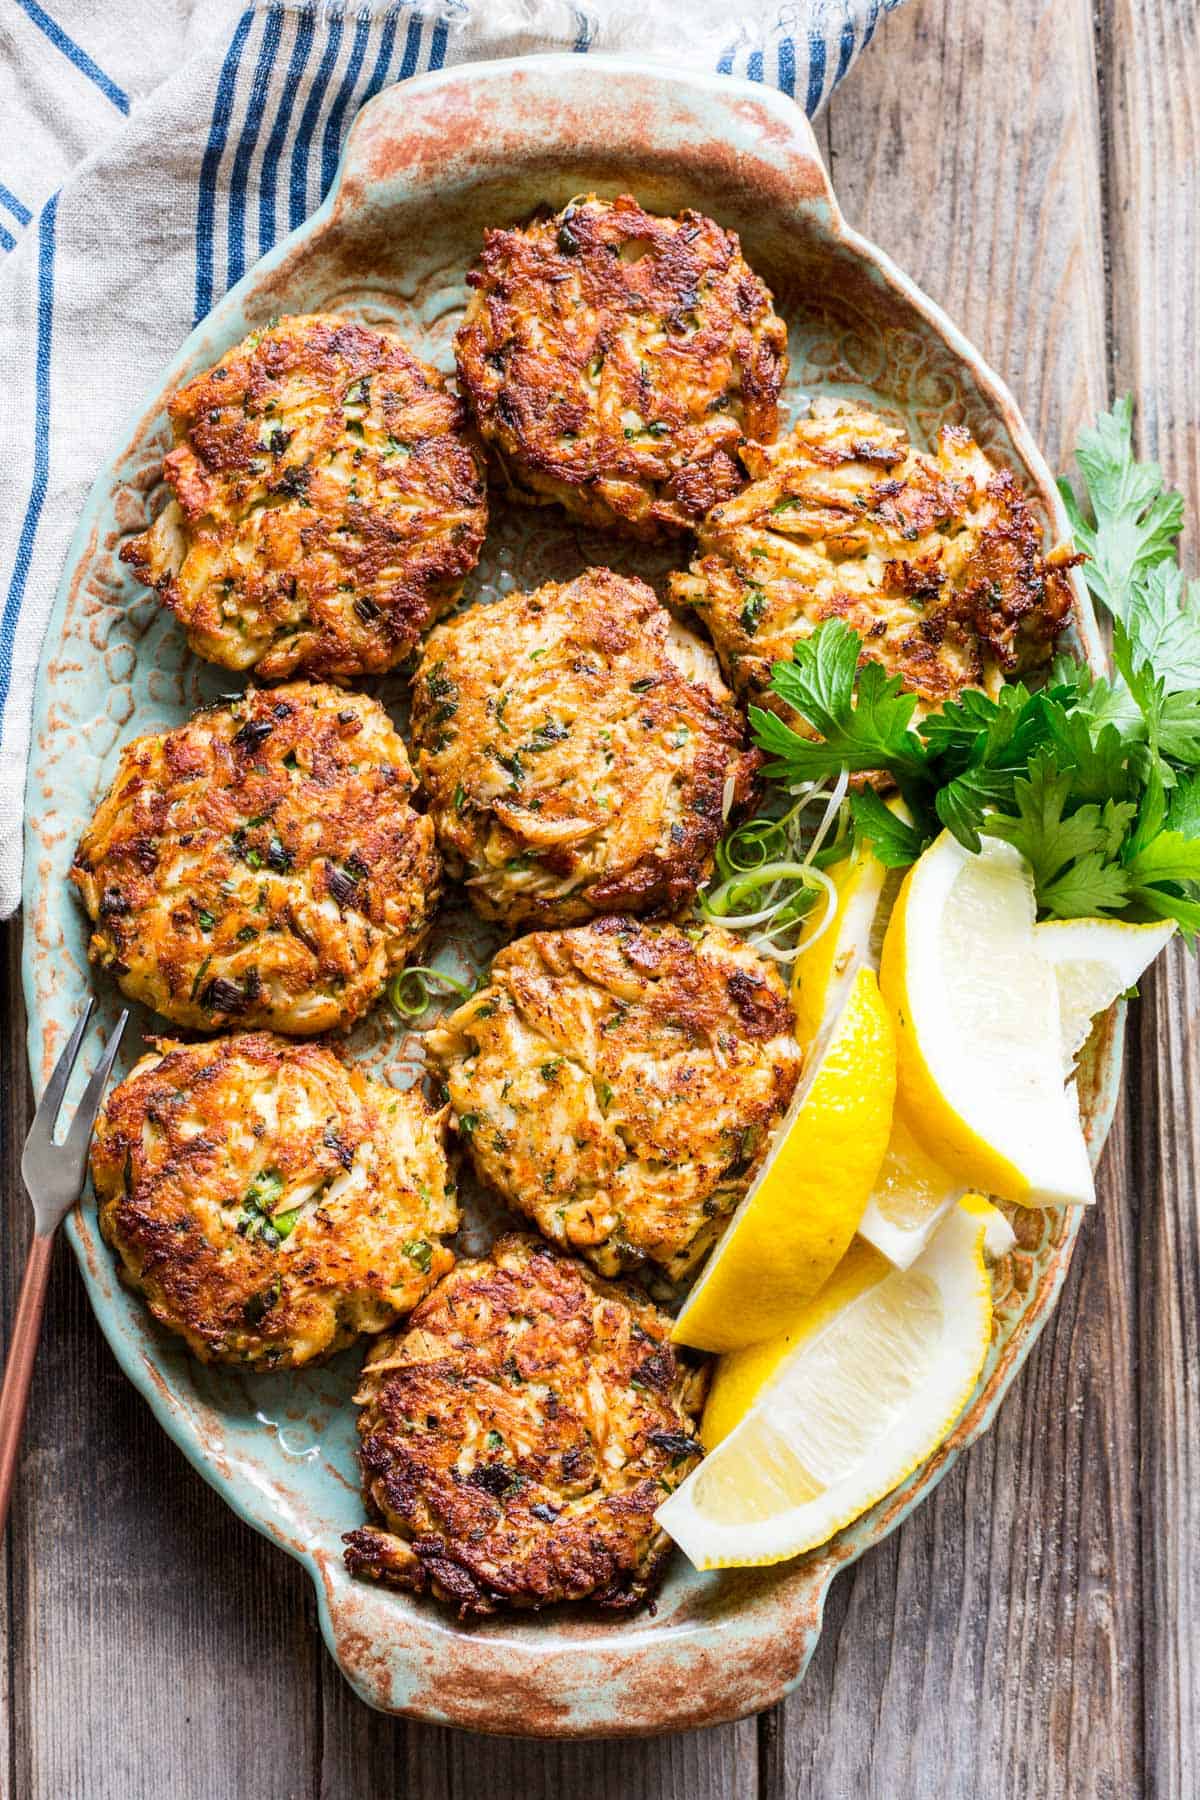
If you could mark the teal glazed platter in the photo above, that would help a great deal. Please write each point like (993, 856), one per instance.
(428, 165)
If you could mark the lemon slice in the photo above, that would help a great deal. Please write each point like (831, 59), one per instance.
(822, 973)
(853, 939)
(1096, 961)
(809, 1431)
(796, 1221)
(910, 1199)
(978, 1027)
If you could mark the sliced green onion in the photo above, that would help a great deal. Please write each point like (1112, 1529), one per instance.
(410, 992)
(770, 870)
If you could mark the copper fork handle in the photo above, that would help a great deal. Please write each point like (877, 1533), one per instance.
(18, 1370)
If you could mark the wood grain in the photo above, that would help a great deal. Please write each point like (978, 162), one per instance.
(1151, 94)
(1031, 1631)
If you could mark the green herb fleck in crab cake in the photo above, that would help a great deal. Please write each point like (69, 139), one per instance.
(614, 359)
(268, 1201)
(518, 1435)
(327, 502)
(261, 864)
(579, 750)
(619, 1084)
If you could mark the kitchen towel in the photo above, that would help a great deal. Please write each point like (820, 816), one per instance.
(152, 150)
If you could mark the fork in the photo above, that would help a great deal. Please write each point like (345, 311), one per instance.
(53, 1175)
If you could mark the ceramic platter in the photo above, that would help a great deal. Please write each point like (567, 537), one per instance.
(428, 165)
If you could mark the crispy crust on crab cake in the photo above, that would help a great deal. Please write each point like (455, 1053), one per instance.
(262, 864)
(935, 561)
(614, 359)
(268, 1201)
(619, 1084)
(518, 1435)
(580, 752)
(327, 502)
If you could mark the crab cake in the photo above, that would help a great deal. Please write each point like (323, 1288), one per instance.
(518, 1436)
(580, 752)
(614, 360)
(262, 864)
(269, 1202)
(327, 502)
(619, 1084)
(935, 561)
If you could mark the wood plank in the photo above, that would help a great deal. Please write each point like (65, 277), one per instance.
(991, 1645)
(157, 1645)
(427, 1764)
(1151, 57)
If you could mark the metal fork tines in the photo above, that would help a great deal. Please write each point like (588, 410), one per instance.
(54, 1175)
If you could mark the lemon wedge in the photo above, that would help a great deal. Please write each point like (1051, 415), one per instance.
(796, 1221)
(807, 1432)
(853, 938)
(978, 1027)
(1095, 961)
(910, 1199)
(823, 971)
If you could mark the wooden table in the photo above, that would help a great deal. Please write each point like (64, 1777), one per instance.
(1032, 1630)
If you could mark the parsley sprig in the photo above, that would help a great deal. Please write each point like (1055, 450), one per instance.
(1096, 780)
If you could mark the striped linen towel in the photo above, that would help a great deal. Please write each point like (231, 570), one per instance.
(152, 150)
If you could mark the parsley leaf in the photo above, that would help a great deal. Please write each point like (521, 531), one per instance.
(1085, 889)
(1136, 519)
(864, 723)
(1164, 627)
(895, 844)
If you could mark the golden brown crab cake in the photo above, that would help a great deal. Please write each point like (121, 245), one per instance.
(327, 502)
(614, 359)
(262, 864)
(268, 1201)
(619, 1084)
(934, 560)
(580, 752)
(518, 1435)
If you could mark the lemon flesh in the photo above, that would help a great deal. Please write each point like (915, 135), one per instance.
(871, 1379)
(1095, 962)
(800, 1214)
(910, 1199)
(979, 1030)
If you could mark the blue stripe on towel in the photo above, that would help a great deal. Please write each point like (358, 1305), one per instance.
(412, 47)
(75, 54)
(7, 240)
(816, 73)
(19, 212)
(383, 61)
(331, 143)
(754, 66)
(269, 173)
(787, 67)
(298, 186)
(437, 48)
(263, 70)
(845, 50)
(41, 445)
(218, 132)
